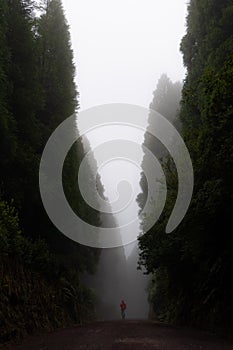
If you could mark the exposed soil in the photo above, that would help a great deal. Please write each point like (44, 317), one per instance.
(124, 335)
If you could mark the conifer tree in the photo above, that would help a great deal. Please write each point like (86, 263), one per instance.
(192, 267)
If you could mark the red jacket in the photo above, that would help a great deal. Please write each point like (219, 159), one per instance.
(123, 305)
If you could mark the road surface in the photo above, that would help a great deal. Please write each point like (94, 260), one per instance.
(124, 335)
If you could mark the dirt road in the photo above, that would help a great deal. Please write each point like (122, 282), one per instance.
(125, 335)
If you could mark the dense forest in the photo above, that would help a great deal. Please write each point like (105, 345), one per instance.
(40, 268)
(45, 278)
(192, 267)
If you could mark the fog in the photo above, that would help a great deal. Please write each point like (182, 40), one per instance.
(116, 276)
(115, 279)
(121, 49)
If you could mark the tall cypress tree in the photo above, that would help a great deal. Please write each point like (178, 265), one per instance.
(7, 125)
(37, 93)
(21, 95)
(192, 267)
(56, 66)
(166, 101)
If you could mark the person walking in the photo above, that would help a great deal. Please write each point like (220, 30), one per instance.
(123, 307)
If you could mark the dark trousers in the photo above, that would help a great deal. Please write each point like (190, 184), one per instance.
(122, 314)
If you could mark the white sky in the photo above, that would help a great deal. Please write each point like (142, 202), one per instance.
(121, 48)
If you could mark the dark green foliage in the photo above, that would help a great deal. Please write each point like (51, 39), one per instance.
(36, 292)
(193, 266)
(56, 66)
(39, 267)
(7, 123)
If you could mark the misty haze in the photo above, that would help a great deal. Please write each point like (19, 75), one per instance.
(116, 162)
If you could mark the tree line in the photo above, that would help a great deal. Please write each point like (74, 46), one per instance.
(39, 267)
(192, 268)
